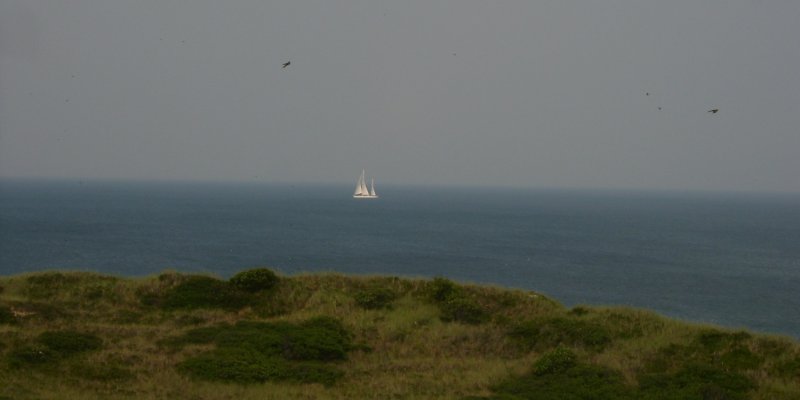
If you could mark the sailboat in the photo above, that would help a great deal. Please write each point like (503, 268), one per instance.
(361, 188)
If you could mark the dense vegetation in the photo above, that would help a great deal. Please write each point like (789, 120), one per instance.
(262, 336)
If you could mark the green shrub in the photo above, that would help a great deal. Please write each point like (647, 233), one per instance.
(695, 381)
(204, 292)
(462, 309)
(576, 381)
(67, 343)
(52, 346)
(6, 316)
(255, 280)
(47, 284)
(741, 358)
(375, 297)
(251, 352)
(440, 289)
(558, 360)
(239, 365)
(788, 369)
(454, 303)
(36, 354)
(714, 340)
(578, 311)
(550, 332)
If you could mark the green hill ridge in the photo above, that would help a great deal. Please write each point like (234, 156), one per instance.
(78, 335)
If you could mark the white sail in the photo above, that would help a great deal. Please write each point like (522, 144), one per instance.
(360, 189)
(372, 188)
(363, 181)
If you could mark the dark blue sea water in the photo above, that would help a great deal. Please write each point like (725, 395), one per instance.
(726, 259)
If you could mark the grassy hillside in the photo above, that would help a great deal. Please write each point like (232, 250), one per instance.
(259, 336)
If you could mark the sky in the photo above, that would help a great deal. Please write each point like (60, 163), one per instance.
(548, 93)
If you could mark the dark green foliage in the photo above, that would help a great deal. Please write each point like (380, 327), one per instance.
(323, 339)
(695, 381)
(578, 311)
(259, 351)
(240, 365)
(85, 287)
(714, 340)
(462, 309)
(441, 289)
(558, 360)
(6, 316)
(53, 346)
(375, 297)
(454, 302)
(67, 343)
(741, 358)
(204, 292)
(788, 369)
(47, 284)
(729, 351)
(550, 332)
(255, 280)
(575, 382)
(710, 367)
(28, 355)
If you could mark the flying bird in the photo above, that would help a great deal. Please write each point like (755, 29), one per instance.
(714, 110)
(647, 93)
(286, 64)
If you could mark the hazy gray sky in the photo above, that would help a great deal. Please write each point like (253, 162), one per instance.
(528, 93)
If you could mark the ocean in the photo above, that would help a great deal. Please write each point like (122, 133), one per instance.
(727, 259)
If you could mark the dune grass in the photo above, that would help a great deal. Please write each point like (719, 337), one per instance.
(77, 335)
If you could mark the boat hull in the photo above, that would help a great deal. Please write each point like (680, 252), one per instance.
(364, 197)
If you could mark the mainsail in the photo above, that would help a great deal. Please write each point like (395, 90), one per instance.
(372, 188)
(361, 188)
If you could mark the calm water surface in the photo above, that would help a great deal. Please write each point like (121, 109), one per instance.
(726, 259)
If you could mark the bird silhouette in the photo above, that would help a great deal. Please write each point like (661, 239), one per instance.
(286, 64)
(714, 110)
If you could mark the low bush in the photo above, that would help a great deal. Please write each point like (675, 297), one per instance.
(67, 343)
(255, 280)
(440, 289)
(558, 360)
(30, 355)
(462, 309)
(695, 381)
(551, 332)
(47, 284)
(251, 352)
(789, 369)
(53, 346)
(454, 303)
(566, 380)
(204, 292)
(578, 311)
(375, 297)
(730, 351)
(6, 316)
(714, 340)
